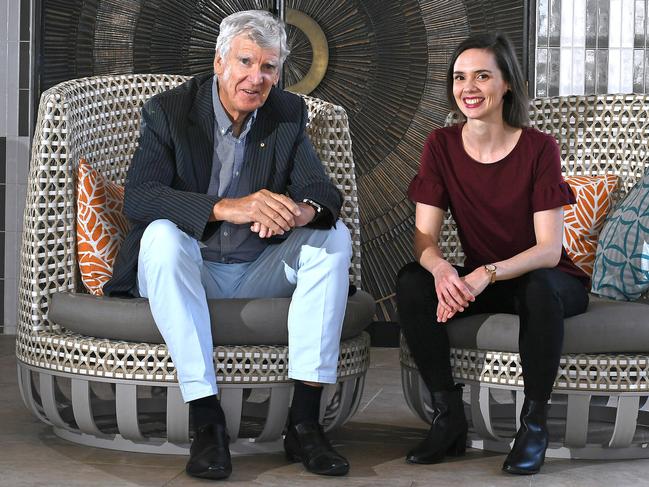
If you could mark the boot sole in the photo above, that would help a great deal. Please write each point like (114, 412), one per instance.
(522, 471)
(518, 471)
(210, 474)
(433, 460)
(457, 449)
(424, 462)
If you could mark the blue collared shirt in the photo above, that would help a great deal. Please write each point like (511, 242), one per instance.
(231, 243)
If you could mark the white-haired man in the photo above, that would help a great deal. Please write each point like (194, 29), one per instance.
(223, 171)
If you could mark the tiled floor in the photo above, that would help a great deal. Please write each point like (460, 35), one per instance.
(375, 442)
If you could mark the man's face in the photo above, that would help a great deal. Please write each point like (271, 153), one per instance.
(246, 76)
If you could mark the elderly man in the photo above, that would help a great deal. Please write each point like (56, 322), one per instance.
(229, 200)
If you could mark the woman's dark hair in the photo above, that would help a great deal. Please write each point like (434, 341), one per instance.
(515, 101)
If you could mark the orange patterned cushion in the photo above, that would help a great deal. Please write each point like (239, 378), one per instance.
(101, 226)
(584, 220)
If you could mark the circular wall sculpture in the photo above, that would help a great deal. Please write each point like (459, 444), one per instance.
(309, 53)
(385, 65)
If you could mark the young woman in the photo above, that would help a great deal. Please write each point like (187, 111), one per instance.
(502, 181)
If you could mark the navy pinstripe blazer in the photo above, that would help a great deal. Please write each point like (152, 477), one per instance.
(170, 172)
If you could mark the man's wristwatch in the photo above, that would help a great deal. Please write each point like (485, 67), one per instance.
(491, 270)
(315, 205)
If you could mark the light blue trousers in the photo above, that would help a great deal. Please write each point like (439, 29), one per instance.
(311, 266)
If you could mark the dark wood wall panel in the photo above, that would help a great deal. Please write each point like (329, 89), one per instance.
(67, 38)
(387, 62)
(502, 15)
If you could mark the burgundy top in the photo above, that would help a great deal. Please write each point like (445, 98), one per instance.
(493, 204)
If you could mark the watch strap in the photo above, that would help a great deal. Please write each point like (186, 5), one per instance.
(491, 269)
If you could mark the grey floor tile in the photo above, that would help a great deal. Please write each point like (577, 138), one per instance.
(78, 474)
(8, 375)
(7, 346)
(388, 408)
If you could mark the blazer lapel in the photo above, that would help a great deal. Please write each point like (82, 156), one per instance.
(200, 135)
(260, 149)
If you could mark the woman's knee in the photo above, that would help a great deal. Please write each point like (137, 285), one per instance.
(415, 286)
(413, 276)
(542, 280)
(538, 289)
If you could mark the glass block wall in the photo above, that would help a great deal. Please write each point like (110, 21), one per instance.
(591, 46)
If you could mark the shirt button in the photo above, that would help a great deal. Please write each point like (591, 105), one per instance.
(225, 234)
(236, 173)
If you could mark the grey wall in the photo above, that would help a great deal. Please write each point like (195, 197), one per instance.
(16, 122)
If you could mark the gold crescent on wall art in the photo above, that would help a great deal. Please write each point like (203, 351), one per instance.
(319, 48)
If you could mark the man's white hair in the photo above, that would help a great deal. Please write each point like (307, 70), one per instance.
(264, 29)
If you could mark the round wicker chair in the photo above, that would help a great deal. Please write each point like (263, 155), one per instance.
(599, 408)
(123, 395)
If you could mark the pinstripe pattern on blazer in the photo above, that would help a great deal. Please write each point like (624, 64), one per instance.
(170, 172)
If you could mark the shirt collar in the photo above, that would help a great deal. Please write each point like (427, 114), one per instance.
(221, 118)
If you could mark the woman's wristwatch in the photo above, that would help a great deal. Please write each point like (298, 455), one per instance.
(491, 270)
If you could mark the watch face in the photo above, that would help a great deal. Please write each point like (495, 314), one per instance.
(312, 204)
(490, 267)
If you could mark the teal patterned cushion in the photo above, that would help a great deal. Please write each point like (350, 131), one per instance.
(621, 269)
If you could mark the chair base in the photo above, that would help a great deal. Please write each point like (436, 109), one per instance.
(161, 447)
(151, 417)
(556, 450)
(583, 424)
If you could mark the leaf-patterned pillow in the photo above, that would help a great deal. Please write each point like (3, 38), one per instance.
(101, 226)
(622, 261)
(583, 221)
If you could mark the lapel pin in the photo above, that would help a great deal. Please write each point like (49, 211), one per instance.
(262, 145)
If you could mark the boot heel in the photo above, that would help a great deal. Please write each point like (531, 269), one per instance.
(458, 449)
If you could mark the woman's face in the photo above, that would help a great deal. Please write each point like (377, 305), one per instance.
(478, 85)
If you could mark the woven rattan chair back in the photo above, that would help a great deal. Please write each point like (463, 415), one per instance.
(76, 382)
(98, 119)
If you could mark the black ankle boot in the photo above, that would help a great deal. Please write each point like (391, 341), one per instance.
(447, 434)
(528, 452)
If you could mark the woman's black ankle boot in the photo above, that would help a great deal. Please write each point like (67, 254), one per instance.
(447, 435)
(528, 452)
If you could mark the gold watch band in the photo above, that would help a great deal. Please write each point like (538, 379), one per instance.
(491, 269)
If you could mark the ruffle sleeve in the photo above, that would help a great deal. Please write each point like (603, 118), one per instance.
(428, 186)
(428, 192)
(552, 196)
(550, 189)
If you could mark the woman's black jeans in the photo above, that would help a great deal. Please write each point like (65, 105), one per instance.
(541, 298)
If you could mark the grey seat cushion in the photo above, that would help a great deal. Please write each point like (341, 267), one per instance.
(606, 327)
(260, 321)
